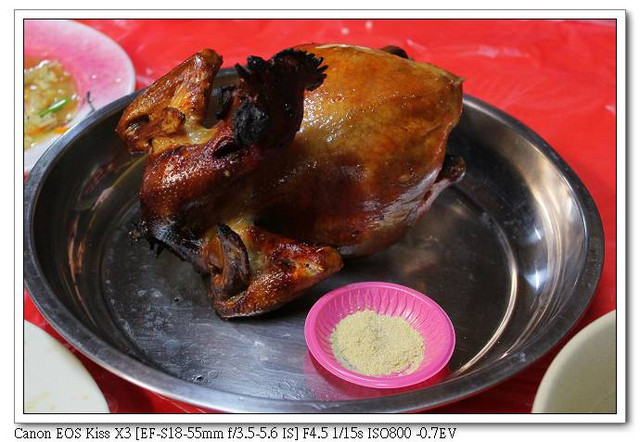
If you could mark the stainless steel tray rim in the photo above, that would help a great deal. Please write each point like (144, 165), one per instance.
(111, 359)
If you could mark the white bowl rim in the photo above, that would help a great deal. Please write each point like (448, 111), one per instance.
(545, 393)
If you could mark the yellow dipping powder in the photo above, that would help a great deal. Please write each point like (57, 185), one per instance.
(377, 345)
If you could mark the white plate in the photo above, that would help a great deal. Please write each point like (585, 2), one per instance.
(55, 381)
(582, 377)
(98, 65)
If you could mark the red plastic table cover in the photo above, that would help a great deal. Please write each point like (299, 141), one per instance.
(558, 77)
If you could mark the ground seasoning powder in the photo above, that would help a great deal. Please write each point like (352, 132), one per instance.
(377, 345)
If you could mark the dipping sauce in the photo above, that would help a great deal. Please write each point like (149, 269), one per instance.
(377, 345)
(50, 100)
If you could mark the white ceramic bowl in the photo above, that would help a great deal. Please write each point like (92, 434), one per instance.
(582, 377)
(55, 381)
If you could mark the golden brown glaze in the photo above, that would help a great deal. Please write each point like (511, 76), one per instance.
(267, 215)
(371, 144)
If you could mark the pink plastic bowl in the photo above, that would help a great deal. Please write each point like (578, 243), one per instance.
(98, 65)
(427, 317)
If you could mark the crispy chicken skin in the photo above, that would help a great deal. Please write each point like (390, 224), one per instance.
(320, 152)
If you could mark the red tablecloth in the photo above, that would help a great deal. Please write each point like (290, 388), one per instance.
(558, 77)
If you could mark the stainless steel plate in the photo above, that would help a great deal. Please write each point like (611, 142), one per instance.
(513, 254)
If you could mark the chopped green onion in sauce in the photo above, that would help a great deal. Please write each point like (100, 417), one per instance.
(50, 100)
(54, 107)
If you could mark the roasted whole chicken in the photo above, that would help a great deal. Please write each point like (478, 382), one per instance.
(322, 152)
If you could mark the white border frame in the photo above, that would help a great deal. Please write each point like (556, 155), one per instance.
(618, 15)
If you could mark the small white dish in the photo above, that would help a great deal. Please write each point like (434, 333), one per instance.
(55, 381)
(101, 69)
(582, 377)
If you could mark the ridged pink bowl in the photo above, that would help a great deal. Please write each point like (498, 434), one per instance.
(427, 317)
